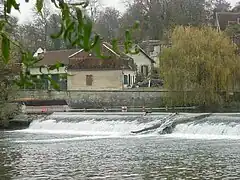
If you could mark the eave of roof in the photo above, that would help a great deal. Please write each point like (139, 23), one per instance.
(75, 53)
(141, 50)
(223, 17)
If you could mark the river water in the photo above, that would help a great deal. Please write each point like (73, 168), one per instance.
(73, 146)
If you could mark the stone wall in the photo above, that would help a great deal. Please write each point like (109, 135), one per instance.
(99, 99)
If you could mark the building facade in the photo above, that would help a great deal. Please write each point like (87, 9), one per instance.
(82, 70)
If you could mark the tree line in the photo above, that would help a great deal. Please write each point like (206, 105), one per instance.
(162, 20)
(157, 19)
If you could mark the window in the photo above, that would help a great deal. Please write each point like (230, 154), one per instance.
(144, 70)
(63, 81)
(63, 84)
(89, 80)
(125, 80)
(129, 79)
(141, 70)
(44, 81)
(56, 79)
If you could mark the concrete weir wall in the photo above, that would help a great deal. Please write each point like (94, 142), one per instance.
(99, 99)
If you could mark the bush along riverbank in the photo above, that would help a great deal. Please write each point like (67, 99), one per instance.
(7, 112)
(12, 118)
(22, 121)
(18, 121)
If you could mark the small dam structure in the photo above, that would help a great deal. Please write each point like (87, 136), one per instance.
(127, 124)
(168, 123)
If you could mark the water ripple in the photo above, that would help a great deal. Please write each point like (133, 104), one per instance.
(121, 158)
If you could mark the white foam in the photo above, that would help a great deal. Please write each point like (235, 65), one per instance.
(81, 138)
(89, 127)
(207, 130)
(200, 136)
(116, 126)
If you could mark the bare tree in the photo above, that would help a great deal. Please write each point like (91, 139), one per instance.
(94, 9)
(41, 22)
(107, 24)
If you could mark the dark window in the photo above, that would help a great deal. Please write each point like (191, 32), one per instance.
(89, 80)
(63, 84)
(45, 82)
(56, 79)
(141, 70)
(125, 81)
(146, 70)
(63, 81)
(129, 79)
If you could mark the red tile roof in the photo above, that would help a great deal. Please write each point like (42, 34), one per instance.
(52, 57)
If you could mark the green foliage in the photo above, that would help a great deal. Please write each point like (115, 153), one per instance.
(39, 6)
(201, 67)
(233, 29)
(5, 48)
(7, 75)
(76, 29)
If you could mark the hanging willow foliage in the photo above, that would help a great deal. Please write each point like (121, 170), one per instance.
(76, 28)
(201, 67)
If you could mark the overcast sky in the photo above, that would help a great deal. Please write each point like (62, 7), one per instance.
(26, 15)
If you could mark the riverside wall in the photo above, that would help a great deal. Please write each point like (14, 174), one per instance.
(99, 99)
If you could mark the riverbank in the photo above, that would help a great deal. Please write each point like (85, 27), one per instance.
(136, 98)
(21, 121)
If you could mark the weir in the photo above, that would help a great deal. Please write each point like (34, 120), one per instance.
(168, 123)
(135, 124)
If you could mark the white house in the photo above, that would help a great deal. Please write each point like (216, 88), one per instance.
(154, 48)
(92, 73)
(88, 71)
(142, 60)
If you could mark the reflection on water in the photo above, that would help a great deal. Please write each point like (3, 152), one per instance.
(117, 158)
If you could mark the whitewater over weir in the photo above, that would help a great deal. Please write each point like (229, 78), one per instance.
(85, 126)
(128, 146)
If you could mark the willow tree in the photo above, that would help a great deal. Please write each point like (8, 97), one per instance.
(201, 66)
(233, 29)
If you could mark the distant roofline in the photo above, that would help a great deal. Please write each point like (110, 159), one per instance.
(105, 44)
(110, 49)
(105, 69)
(60, 50)
(75, 53)
(218, 14)
(145, 54)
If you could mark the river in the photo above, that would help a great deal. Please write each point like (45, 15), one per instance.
(74, 147)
